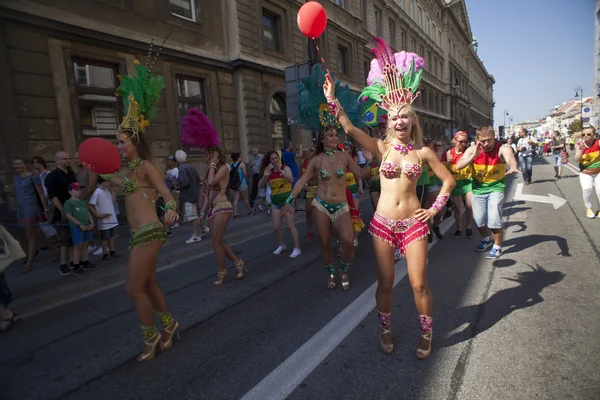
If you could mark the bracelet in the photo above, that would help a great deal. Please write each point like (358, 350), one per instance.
(334, 106)
(290, 199)
(107, 177)
(171, 205)
(368, 164)
(439, 202)
(213, 165)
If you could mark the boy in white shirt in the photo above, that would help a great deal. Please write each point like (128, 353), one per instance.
(102, 207)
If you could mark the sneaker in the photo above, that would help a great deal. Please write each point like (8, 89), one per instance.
(469, 234)
(590, 214)
(429, 237)
(437, 232)
(79, 271)
(98, 252)
(205, 231)
(107, 259)
(494, 254)
(260, 207)
(194, 239)
(91, 249)
(484, 245)
(115, 256)
(169, 234)
(355, 242)
(175, 225)
(279, 249)
(64, 270)
(89, 267)
(397, 254)
(457, 233)
(295, 253)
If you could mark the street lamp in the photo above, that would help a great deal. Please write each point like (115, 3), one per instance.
(578, 91)
(505, 115)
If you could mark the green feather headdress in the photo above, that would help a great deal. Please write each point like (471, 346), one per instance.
(313, 112)
(140, 92)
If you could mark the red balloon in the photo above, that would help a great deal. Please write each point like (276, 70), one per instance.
(99, 156)
(312, 19)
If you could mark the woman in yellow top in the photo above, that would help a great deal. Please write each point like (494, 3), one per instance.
(279, 178)
(462, 192)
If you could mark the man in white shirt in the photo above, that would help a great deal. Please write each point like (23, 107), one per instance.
(102, 207)
(525, 149)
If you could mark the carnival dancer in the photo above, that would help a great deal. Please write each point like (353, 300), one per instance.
(311, 190)
(462, 192)
(399, 220)
(587, 154)
(329, 166)
(489, 159)
(279, 178)
(142, 183)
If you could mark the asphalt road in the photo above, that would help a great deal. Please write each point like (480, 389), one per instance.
(522, 327)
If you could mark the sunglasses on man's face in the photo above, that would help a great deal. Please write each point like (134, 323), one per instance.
(587, 134)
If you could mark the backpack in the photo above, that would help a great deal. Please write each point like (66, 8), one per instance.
(234, 177)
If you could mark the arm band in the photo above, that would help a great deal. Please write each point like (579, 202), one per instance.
(290, 199)
(440, 202)
(171, 205)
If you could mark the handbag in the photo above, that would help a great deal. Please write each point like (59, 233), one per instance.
(10, 249)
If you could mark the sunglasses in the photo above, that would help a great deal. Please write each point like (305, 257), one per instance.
(461, 141)
(587, 134)
(437, 145)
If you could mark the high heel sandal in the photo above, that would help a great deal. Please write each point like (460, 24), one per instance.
(331, 282)
(221, 274)
(150, 346)
(423, 354)
(386, 348)
(241, 267)
(345, 281)
(167, 335)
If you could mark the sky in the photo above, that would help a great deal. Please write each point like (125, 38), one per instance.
(537, 50)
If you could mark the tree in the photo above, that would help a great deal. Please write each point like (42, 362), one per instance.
(576, 126)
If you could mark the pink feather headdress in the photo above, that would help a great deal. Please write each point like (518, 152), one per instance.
(198, 131)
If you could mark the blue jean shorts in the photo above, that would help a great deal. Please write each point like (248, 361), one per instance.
(78, 236)
(557, 160)
(487, 209)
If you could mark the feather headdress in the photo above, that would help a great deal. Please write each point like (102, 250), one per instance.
(140, 92)
(313, 112)
(394, 78)
(198, 131)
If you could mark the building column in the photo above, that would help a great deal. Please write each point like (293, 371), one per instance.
(238, 84)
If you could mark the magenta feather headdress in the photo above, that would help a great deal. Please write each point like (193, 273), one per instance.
(198, 131)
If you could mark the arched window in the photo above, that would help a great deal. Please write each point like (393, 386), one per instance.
(279, 126)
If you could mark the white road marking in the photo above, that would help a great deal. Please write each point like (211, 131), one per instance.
(556, 201)
(572, 168)
(284, 379)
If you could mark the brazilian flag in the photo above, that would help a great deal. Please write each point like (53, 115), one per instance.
(371, 112)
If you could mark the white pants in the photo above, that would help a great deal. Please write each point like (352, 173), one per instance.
(587, 183)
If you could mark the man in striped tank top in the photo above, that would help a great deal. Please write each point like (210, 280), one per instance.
(489, 159)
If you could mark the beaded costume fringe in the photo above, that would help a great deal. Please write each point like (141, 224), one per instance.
(341, 211)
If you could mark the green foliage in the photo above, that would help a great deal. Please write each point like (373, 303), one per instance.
(576, 126)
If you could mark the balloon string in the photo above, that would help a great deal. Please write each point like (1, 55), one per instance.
(320, 56)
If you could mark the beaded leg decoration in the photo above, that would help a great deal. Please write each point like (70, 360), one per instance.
(170, 329)
(331, 280)
(164, 318)
(425, 323)
(344, 276)
(151, 341)
(385, 325)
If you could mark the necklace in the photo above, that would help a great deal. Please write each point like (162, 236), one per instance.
(403, 148)
(331, 154)
(133, 165)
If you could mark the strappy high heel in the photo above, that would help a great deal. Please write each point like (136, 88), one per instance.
(345, 281)
(168, 333)
(221, 274)
(240, 265)
(423, 354)
(150, 346)
(331, 281)
(386, 348)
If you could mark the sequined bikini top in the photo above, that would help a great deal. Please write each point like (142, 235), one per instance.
(326, 175)
(394, 171)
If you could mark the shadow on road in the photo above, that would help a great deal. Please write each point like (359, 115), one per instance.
(521, 224)
(501, 304)
(509, 211)
(517, 244)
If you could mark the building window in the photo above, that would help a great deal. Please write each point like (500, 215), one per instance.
(271, 28)
(413, 45)
(184, 9)
(392, 32)
(435, 67)
(439, 38)
(367, 66)
(401, 4)
(191, 93)
(341, 3)
(411, 8)
(402, 39)
(430, 102)
(343, 60)
(437, 103)
(421, 50)
(98, 105)
(427, 26)
(420, 17)
(377, 22)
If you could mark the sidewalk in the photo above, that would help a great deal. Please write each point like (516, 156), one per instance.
(45, 288)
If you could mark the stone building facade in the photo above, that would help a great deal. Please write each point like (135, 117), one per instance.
(62, 58)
